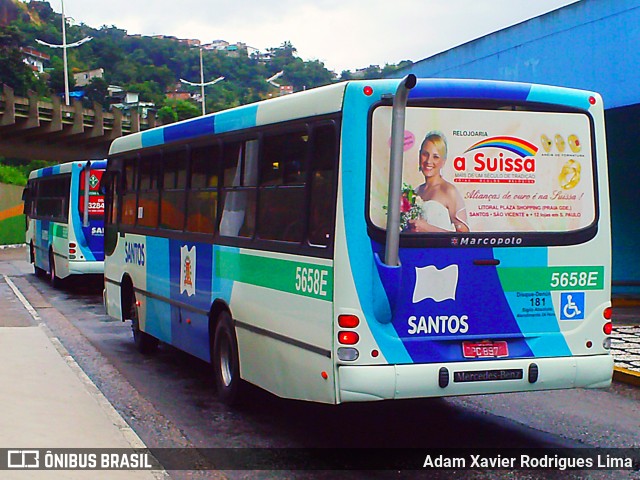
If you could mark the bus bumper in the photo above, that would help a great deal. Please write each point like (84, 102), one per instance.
(382, 382)
(86, 268)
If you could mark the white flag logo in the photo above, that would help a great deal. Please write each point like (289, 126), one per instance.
(436, 284)
(188, 270)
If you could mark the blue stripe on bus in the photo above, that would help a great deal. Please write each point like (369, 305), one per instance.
(236, 119)
(99, 164)
(47, 171)
(189, 329)
(152, 138)
(447, 88)
(556, 95)
(368, 286)
(194, 128)
(157, 283)
(76, 221)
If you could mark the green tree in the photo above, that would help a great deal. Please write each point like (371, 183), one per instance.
(13, 71)
(182, 109)
(97, 91)
(150, 91)
(167, 115)
(302, 75)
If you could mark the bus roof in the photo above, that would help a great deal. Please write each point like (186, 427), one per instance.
(65, 168)
(329, 99)
(315, 101)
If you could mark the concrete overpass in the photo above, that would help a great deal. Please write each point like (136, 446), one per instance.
(34, 129)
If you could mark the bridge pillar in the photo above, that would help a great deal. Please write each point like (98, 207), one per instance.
(9, 115)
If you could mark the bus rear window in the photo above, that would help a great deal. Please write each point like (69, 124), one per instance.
(487, 171)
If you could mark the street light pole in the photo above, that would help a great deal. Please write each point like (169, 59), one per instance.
(202, 83)
(64, 47)
(64, 56)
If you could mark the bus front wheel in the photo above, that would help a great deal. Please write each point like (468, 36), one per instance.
(144, 342)
(225, 362)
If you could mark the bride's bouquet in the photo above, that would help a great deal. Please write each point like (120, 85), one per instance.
(410, 206)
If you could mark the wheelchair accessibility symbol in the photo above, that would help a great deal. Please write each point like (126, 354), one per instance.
(572, 306)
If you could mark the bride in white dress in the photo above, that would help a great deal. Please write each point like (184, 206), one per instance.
(443, 208)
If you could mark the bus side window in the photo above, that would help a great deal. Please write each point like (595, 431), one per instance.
(202, 200)
(148, 196)
(174, 185)
(240, 167)
(110, 188)
(282, 187)
(129, 192)
(323, 163)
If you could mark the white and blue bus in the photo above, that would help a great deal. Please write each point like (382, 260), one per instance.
(65, 219)
(256, 239)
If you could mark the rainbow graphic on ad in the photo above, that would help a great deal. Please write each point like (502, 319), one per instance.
(515, 145)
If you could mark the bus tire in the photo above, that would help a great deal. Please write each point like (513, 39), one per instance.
(145, 343)
(225, 362)
(54, 280)
(32, 257)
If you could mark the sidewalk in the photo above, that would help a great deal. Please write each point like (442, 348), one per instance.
(47, 401)
(625, 339)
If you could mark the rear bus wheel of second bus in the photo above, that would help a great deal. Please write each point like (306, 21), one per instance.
(226, 362)
(145, 343)
(53, 276)
(32, 257)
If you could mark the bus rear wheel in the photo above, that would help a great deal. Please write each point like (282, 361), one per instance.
(225, 362)
(54, 280)
(32, 257)
(144, 342)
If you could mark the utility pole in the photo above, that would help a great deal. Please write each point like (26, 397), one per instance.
(64, 47)
(202, 83)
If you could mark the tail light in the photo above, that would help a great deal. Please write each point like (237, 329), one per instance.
(348, 338)
(348, 321)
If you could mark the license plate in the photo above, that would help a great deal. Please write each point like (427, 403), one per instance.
(485, 349)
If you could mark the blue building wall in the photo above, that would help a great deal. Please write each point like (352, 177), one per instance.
(592, 45)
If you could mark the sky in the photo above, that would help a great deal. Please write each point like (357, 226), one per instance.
(343, 34)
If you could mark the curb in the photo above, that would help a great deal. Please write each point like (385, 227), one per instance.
(624, 375)
(16, 245)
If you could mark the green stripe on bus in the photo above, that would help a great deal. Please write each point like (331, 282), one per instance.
(60, 231)
(299, 278)
(529, 279)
